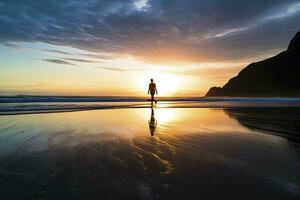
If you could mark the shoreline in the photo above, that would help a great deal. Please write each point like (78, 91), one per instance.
(51, 107)
(99, 99)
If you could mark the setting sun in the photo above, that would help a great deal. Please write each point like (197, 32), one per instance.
(167, 84)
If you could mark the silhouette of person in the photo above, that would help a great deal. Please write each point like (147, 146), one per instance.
(152, 123)
(152, 91)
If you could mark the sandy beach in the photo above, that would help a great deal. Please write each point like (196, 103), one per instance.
(179, 152)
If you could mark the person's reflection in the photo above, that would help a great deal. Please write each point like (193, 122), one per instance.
(152, 122)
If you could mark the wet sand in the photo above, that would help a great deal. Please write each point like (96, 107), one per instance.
(134, 153)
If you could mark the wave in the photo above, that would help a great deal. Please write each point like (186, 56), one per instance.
(27, 98)
(49, 107)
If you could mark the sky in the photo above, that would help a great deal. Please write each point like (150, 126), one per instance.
(113, 47)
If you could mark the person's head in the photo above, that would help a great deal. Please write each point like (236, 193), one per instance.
(151, 80)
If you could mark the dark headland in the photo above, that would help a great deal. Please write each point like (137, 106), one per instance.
(278, 76)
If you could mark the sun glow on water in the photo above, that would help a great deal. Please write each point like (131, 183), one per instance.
(166, 115)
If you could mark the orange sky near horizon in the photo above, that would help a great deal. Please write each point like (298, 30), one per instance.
(122, 75)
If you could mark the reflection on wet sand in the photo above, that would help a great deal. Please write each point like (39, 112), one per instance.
(284, 122)
(152, 122)
(109, 154)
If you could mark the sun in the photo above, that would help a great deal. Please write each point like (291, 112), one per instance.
(167, 84)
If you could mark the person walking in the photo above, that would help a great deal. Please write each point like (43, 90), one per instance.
(152, 91)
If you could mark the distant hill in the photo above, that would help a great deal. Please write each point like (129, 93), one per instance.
(278, 76)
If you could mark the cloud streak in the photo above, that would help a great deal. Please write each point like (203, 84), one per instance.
(56, 51)
(57, 61)
(113, 69)
(80, 60)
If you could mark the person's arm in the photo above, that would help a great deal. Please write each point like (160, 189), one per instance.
(149, 89)
(156, 90)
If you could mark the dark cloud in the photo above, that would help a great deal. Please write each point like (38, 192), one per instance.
(12, 45)
(80, 60)
(58, 61)
(56, 51)
(210, 30)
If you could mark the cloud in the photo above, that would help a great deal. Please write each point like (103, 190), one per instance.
(80, 60)
(58, 61)
(114, 69)
(287, 11)
(12, 45)
(141, 5)
(157, 30)
(120, 69)
(56, 51)
(98, 56)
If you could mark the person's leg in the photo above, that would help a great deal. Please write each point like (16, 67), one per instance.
(152, 99)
